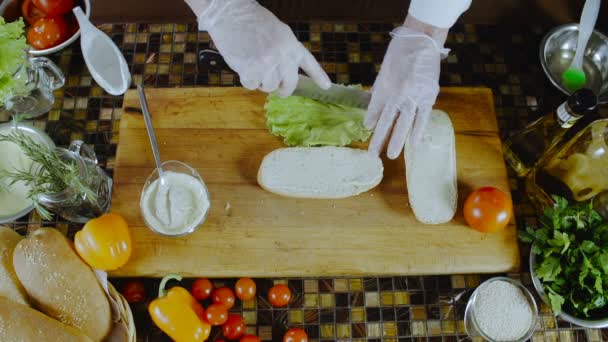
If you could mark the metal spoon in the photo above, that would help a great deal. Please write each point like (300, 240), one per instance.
(144, 108)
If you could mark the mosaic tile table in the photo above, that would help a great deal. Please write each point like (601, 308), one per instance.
(374, 309)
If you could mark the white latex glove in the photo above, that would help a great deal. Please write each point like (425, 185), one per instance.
(258, 46)
(405, 91)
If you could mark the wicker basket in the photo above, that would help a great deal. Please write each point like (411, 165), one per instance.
(124, 310)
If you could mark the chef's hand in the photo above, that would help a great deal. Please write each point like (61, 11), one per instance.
(406, 88)
(258, 46)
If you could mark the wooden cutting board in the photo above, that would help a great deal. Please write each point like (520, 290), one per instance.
(249, 232)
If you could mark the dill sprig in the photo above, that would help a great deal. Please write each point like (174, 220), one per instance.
(48, 173)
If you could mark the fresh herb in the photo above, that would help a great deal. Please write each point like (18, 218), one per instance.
(48, 173)
(12, 57)
(571, 249)
(306, 122)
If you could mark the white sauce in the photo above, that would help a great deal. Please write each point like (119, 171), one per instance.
(177, 206)
(12, 158)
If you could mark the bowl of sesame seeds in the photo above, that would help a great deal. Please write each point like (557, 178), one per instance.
(501, 309)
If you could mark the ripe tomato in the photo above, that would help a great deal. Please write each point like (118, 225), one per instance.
(54, 7)
(134, 291)
(216, 314)
(295, 335)
(234, 327)
(245, 289)
(249, 338)
(201, 288)
(279, 295)
(30, 12)
(488, 210)
(224, 296)
(47, 32)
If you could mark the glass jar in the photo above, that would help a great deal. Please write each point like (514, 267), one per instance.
(576, 169)
(41, 78)
(73, 205)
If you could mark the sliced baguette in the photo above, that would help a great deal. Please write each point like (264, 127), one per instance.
(10, 286)
(319, 172)
(431, 172)
(60, 284)
(19, 323)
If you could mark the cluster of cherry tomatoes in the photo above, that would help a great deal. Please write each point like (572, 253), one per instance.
(222, 300)
(51, 22)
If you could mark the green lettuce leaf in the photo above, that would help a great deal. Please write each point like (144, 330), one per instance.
(12, 55)
(302, 121)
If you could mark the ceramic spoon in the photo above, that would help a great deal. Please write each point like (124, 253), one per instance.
(106, 63)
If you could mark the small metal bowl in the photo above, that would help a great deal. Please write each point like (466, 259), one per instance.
(557, 50)
(15, 5)
(177, 167)
(587, 323)
(470, 323)
(42, 138)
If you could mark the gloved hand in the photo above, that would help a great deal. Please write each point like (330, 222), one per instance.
(258, 46)
(405, 91)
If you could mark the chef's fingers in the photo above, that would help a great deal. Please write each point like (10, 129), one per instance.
(374, 109)
(401, 131)
(249, 80)
(271, 81)
(420, 124)
(312, 68)
(289, 75)
(383, 128)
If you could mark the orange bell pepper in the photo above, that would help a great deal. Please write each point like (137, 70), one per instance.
(104, 242)
(178, 314)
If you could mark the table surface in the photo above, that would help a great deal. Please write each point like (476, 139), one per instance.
(428, 308)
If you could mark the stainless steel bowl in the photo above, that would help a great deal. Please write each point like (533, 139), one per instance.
(587, 323)
(557, 50)
(86, 4)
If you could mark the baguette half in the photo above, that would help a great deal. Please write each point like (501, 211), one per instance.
(10, 286)
(320, 172)
(19, 323)
(60, 284)
(430, 168)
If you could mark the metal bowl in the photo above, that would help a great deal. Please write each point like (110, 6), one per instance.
(41, 137)
(6, 5)
(587, 323)
(557, 50)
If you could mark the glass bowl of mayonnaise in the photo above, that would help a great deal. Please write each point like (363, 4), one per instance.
(176, 202)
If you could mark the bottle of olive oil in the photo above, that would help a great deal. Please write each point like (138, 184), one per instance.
(524, 148)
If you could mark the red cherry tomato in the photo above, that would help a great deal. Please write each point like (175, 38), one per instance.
(47, 32)
(295, 335)
(202, 288)
(216, 314)
(30, 12)
(134, 291)
(488, 210)
(279, 295)
(245, 289)
(54, 7)
(224, 296)
(249, 338)
(234, 327)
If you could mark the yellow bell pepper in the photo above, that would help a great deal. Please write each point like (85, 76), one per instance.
(178, 314)
(104, 243)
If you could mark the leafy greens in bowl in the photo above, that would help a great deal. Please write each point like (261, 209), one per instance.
(569, 262)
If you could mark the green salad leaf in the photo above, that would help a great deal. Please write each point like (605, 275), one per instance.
(306, 122)
(571, 248)
(13, 48)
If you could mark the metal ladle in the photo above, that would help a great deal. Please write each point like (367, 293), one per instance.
(144, 108)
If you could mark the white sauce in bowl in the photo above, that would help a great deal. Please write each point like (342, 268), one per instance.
(176, 207)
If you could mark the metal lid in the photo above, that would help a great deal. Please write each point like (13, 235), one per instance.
(582, 101)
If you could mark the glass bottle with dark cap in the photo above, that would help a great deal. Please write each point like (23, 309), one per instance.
(524, 148)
